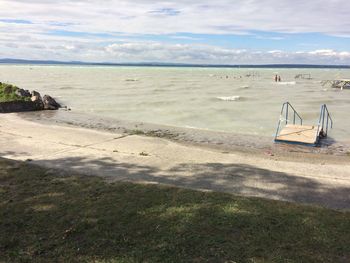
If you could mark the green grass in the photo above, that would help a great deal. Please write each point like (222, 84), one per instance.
(11, 94)
(45, 217)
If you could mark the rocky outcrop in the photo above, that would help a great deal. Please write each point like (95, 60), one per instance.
(36, 96)
(50, 103)
(19, 106)
(28, 101)
(37, 100)
(23, 93)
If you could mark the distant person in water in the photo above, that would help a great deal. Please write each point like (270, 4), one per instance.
(279, 78)
(276, 78)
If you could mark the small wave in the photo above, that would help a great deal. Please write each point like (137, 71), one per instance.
(131, 80)
(66, 87)
(244, 87)
(157, 103)
(159, 90)
(287, 83)
(229, 98)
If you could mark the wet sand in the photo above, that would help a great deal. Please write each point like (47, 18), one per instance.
(191, 158)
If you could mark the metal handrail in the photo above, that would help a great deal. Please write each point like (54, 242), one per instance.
(321, 124)
(295, 114)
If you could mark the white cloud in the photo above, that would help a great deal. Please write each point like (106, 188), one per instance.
(113, 29)
(154, 51)
(196, 53)
(323, 52)
(342, 56)
(159, 17)
(176, 53)
(274, 51)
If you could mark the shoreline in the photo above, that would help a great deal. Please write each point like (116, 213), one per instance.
(223, 141)
(309, 178)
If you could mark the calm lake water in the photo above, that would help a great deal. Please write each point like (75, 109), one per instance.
(246, 101)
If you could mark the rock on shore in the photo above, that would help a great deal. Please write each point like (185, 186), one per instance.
(26, 101)
(50, 103)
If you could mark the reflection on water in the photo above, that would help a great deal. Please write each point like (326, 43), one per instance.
(234, 100)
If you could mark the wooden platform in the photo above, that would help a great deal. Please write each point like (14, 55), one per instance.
(298, 134)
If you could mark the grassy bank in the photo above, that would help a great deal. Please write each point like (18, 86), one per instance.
(8, 93)
(48, 217)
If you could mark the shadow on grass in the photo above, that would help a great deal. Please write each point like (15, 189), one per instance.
(72, 218)
(235, 178)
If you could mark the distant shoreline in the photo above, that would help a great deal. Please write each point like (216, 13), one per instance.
(7, 61)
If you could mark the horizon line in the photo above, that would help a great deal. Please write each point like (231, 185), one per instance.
(165, 64)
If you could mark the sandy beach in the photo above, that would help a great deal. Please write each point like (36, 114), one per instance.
(305, 175)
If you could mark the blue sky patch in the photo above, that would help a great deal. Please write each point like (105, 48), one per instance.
(78, 34)
(16, 21)
(165, 12)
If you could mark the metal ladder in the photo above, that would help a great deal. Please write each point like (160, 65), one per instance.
(325, 122)
(286, 108)
(324, 115)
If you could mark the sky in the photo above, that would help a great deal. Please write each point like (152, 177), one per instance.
(201, 32)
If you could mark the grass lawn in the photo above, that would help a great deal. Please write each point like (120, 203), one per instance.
(45, 217)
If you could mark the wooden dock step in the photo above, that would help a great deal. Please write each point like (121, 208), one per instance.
(298, 134)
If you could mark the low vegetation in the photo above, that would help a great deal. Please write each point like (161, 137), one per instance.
(48, 216)
(8, 93)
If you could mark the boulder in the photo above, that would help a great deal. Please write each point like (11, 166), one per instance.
(37, 100)
(36, 97)
(23, 93)
(50, 103)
